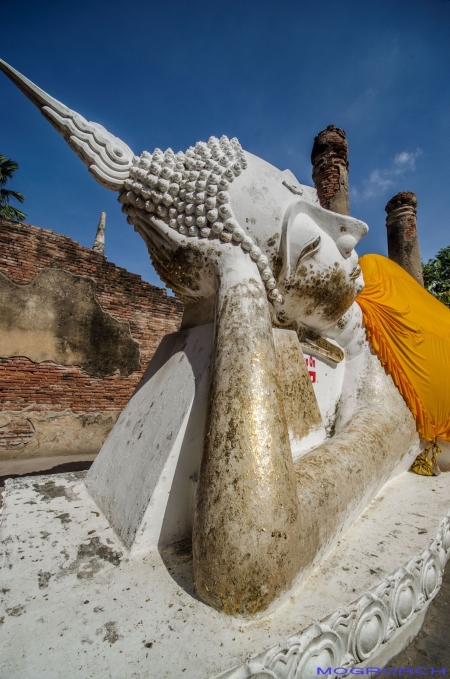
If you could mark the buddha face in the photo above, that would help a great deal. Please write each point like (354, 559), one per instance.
(310, 250)
(320, 278)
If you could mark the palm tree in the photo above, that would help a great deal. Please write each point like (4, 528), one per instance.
(7, 211)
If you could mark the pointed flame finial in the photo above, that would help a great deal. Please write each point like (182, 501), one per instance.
(99, 242)
(107, 157)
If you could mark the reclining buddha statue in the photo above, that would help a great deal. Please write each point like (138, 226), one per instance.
(251, 253)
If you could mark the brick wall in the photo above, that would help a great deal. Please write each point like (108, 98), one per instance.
(24, 251)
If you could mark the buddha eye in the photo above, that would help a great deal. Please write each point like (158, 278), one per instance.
(309, 249)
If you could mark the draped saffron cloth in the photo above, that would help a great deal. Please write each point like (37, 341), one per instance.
(409, 330)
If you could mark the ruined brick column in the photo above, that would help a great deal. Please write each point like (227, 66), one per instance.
(403, 244)
(329, 158)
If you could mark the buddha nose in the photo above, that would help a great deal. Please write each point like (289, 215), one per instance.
(346, 245)
(350, 233)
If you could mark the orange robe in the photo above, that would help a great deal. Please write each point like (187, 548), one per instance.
(409, 330)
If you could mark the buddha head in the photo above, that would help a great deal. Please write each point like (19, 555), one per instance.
(192, 207)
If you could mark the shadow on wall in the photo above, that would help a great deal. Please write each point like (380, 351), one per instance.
(57, 318)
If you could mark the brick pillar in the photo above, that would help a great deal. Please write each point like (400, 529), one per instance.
(329, 158)
(403, 244)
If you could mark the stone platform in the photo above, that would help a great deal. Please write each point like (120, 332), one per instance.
(76, 605)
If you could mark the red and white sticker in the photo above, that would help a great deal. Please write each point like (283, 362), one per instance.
(311, 363)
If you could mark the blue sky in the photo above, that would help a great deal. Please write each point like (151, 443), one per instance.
(271, 73)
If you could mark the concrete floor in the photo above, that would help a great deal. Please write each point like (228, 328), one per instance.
(12, 469)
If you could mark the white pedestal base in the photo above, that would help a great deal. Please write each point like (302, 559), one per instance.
(75, 605)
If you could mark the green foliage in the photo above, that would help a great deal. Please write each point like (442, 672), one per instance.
(7, 211)
(436, 275)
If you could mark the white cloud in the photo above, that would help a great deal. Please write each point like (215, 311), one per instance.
(382, 179)
(406, 161)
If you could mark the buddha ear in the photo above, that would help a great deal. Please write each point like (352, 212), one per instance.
(108, 158)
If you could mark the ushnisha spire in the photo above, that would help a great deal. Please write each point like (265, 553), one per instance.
(187, 191)
(107, 157)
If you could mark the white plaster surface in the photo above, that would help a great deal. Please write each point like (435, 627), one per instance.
(75, 605)
(302, 412)
(327, 379)
(155, 448)
(300, 447)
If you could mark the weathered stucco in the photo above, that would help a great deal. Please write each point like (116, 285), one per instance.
(57, 318)
(313, 342)
(64, 302)
(31, 433)
(337, 480)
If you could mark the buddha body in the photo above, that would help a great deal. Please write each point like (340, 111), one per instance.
(244, 245)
